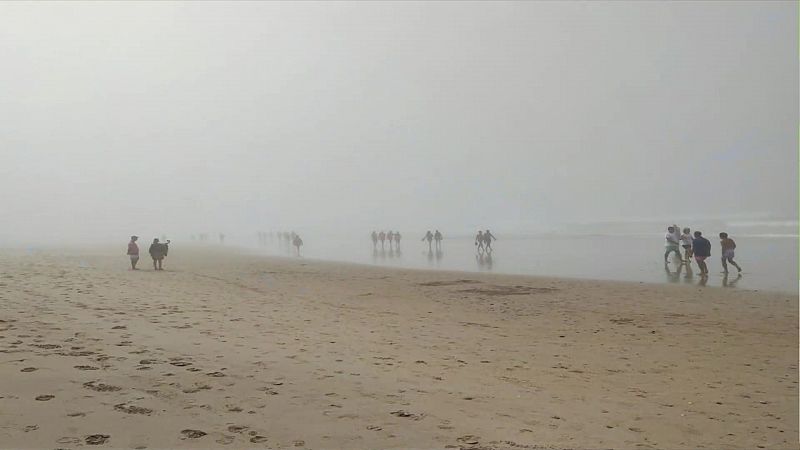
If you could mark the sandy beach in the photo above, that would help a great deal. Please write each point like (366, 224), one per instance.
(225, 348)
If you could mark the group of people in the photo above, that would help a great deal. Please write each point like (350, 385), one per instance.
(433, 237)
(390, 236)
(158, 251)
(697, 246)
(483, 240)
(291, 239)
(203, 237)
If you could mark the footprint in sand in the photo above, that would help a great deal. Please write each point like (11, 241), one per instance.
(258, 438)
(469, 439)
(68, 440)
(130, 409)
(29, 369)
(87, 368)
(30, 428)
(193, 434)
(44, 398)
(236, 428)
(101, 387)
(225, 439)
(97, 439)
(406, 414)
(299, 443)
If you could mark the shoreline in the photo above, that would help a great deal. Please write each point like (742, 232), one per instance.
(251, 251)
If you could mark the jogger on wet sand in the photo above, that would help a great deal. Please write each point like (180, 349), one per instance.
(728, 247)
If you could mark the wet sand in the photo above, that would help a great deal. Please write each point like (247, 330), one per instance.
(225, 349)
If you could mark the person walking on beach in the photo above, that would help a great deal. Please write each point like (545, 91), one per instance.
(374, 240)
(479, 241)
(686, 243)
(133, 252)
(397, 240)
(158, 252)
(297, 242)
(701, 248)
(487, 239)
(728, 247)
(428, 237)
(390, 237)
(437, 236)
(382, 238)
(671, 244)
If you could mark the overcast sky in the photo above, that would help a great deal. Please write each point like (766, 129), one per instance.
(185, 117)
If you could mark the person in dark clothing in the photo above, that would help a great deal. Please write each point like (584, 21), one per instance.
(701, 248)
(158, 252)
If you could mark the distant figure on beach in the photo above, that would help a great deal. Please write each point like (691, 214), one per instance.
(221, 238)
(437, 236)
(487, 239)
(397, 240)
(479, 241)
(382, 238)
(728, 247)
(390, 237)
(701, 248)
(428, 237)
(297, 242)
(686, 243)
(158, 252)
(133, 252)
(374, 240)
(672, 243)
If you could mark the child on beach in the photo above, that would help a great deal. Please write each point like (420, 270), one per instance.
(686, 243)
(728, 247)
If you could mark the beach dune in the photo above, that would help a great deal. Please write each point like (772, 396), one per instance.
(226, 348)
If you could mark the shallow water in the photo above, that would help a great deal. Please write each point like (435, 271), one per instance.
(769, 263)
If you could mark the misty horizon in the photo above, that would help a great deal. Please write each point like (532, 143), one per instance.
(181, 118)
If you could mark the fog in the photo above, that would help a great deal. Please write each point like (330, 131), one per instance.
(180, 118)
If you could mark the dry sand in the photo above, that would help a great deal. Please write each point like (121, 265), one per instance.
(233, 350)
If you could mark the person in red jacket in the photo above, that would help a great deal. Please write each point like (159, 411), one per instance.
(133, 251)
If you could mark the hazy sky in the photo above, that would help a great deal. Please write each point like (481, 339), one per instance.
(120, 118)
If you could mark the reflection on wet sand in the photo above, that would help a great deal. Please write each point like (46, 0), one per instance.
(484, 260)
(730, 283)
